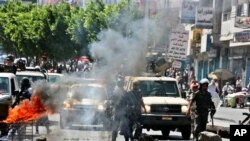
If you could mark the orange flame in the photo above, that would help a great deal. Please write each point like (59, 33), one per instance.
(26, 111)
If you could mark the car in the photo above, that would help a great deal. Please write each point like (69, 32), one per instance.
(165, 107)
(84, 106)
(8, 89)
(32, 75)
(54, 77)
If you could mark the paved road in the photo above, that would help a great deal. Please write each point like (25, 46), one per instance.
(224, 117)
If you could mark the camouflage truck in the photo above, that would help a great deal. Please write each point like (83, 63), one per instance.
(165, 108)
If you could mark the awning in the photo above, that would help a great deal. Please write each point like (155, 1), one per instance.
(237, 44)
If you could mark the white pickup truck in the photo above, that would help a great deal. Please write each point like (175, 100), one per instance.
(165, 107)
(8, 87)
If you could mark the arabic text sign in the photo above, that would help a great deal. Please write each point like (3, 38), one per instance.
(204, 17)
(176, 64)
(242, 36)
(188, 11)
(178, 44)
(242, 22)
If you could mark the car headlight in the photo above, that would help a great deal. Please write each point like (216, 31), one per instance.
(148, 109)
(100, 107)
(67, 104)
(184, 109)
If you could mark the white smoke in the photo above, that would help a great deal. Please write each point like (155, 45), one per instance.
(116, 52)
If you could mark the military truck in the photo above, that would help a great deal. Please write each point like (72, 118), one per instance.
(165, 108)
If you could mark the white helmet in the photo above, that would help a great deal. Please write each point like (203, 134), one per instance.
(204, 81)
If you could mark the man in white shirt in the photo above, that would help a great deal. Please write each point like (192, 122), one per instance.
(238, 84)
(227, 89)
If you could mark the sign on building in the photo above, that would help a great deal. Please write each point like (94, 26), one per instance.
(176, 64)
(188, 11)
(204, 17)
(243, 36)
(242, 22)
(178, 44)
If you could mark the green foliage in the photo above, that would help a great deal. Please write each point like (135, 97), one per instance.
(60, 31)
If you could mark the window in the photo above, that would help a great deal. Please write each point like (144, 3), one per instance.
(159, 88)
(239, 10)
(4, 84)
(248, 8)
(226, 16)
(206, 3)
(227, 8)
(88, 92)
(12, 85)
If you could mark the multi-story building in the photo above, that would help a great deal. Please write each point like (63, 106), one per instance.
(205, 48)
(226, 44)
(235, 33)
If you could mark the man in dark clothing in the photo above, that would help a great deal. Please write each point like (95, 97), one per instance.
(203, 100)
(45, 63)
(25, 92)
(9, 65)
(135, 103)
(119, 104)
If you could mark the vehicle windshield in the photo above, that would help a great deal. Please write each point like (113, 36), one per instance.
(88, 92)
(4, 83)
(31, 78)
(159, 88)
(54, 78)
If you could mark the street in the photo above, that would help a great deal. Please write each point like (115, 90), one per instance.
(223, 117)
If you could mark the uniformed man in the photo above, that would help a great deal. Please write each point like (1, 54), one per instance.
(135, 105)
(9, 65)
(203, 104)
(119, 107)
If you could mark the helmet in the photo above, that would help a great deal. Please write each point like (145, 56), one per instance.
(25, 82)
(204, 81)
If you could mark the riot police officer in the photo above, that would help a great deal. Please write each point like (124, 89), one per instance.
(118, 105)
(25, 92)
(135, 104)
(203, 100)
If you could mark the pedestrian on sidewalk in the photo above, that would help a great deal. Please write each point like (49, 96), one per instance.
(203, 101)
(227, 89)
(238, 86)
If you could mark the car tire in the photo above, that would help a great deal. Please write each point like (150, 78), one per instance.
(186, 132)
(165, 133)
